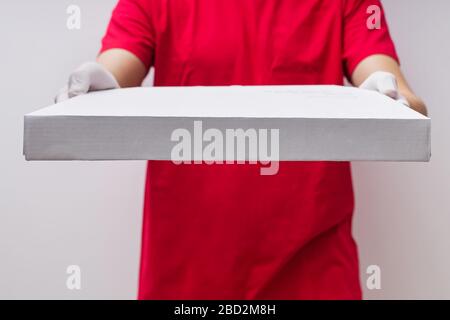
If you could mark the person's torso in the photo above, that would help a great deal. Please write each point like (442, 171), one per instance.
(250, 42)
(247, 42)
(230, 226)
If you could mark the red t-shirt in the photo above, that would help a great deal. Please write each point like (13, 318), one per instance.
(225, 231)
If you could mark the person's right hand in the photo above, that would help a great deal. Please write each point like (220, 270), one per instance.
(89, 77)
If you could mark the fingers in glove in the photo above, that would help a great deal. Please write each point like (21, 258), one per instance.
(102, 79)
(79, 83)
(387, 85)
(383, 82)
(63, 95)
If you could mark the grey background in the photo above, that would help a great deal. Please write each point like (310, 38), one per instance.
(53, 215)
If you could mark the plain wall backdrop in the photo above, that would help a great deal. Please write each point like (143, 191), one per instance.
(53, 215)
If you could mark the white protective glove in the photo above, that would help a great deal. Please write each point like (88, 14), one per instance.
(89, 77)
(384, 83)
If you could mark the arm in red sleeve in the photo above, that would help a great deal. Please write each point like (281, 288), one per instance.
(131, 29)
(363, 37)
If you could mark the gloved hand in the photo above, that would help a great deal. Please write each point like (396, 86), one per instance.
(89, 77)
(384, 83)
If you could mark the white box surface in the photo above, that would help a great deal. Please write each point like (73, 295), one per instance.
(329, 123)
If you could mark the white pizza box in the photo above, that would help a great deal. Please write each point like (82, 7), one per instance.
(297, 123)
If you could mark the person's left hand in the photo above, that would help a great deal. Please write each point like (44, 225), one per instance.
(384, 83)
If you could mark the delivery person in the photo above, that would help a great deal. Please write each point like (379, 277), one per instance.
(224, 231)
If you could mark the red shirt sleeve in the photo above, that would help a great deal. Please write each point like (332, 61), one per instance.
(360, 41)
(131, 29)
